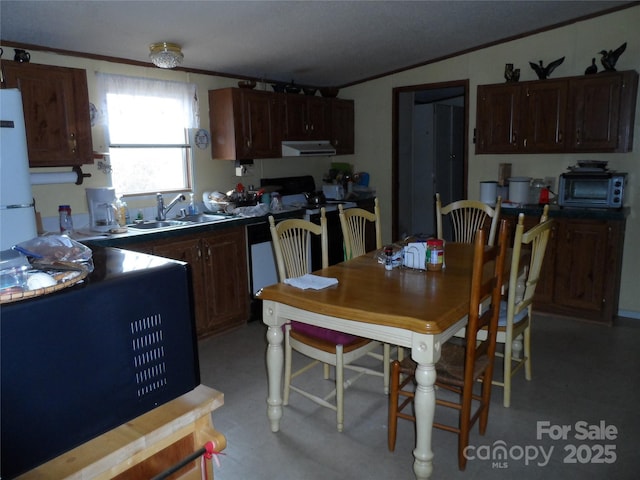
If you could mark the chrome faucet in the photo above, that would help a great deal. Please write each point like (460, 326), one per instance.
(162, 210)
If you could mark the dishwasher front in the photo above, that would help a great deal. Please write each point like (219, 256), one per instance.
(262, 264)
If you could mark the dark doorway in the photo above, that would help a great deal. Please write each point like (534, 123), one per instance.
(430, 125)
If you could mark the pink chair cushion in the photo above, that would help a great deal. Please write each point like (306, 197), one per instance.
(326, 334)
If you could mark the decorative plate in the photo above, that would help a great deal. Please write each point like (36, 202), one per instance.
(93, 113)
(201, 138)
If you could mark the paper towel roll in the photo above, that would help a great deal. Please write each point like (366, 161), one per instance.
(488, 193)
(53, 177)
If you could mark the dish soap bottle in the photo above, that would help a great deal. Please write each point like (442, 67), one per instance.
(193, 208)
(121, 212)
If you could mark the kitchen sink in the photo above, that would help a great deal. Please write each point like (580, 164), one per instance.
(159, 224)
(181, 221)
(204, 218)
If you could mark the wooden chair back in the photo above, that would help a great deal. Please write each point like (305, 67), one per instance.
(467, 217)
(461, 367)
(292, 245)
(537, 237)
(354, 222)
(484, 287)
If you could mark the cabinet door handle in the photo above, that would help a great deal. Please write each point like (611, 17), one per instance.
(578, 136)
(560, 137)
(248, 143)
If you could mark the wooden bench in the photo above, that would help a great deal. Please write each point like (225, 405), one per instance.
(145, 446)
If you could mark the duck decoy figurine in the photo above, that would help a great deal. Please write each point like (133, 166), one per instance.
(610, 58)
(593, 68)
(511, 74)
(544, 72)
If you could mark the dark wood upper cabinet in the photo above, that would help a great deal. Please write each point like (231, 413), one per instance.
(56, 111)
(342, 126)
(592, 113)
(249, 124)
(543, 119)
(522, 118)
(498, 119)
(603, 112)
(245, 124)
(307, 118)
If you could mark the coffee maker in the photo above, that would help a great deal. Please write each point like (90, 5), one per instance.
(102, 207)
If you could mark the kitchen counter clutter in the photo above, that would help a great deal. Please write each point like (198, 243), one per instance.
(583, 263)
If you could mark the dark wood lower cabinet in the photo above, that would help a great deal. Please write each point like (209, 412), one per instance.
(218, 262)
(226, 280)
(188, 250)
(582, 267)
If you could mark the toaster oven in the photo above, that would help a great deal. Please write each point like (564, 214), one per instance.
(602, 189)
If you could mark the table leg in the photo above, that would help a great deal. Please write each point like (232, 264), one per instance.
(275, 361)
(425, 404)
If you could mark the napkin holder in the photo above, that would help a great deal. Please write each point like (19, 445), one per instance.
(414, 255)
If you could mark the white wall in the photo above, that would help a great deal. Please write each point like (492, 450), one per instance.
(578, 43)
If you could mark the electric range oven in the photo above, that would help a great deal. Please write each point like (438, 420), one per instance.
(292, 190)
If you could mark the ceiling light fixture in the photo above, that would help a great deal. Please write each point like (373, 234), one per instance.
(165, 55)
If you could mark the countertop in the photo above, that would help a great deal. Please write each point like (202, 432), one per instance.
(568, 212)
(134, 236)
(137, 236)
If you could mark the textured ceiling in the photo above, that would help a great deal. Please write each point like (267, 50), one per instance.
(318, 43)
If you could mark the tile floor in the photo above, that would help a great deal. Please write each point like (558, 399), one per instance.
(581, 373)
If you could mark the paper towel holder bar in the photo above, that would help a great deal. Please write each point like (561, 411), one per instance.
(76, 175)
(81, 176)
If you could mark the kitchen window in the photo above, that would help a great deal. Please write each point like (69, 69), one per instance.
(147, 123)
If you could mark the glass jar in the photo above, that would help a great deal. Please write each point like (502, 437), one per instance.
(388, 259)
(434, 259)
(66, 221)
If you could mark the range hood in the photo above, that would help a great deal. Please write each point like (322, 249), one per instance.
(317, 148)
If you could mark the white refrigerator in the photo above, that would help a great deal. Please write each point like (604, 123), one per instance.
(17, 212)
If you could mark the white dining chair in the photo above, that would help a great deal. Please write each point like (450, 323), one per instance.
(514, 324)
(291, 243)
(467, 217)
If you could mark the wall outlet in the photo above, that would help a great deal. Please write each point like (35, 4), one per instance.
(241, 171)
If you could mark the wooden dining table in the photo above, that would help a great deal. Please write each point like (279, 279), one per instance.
(416, 309)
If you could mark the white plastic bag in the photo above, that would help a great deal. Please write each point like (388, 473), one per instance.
(55, 248)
